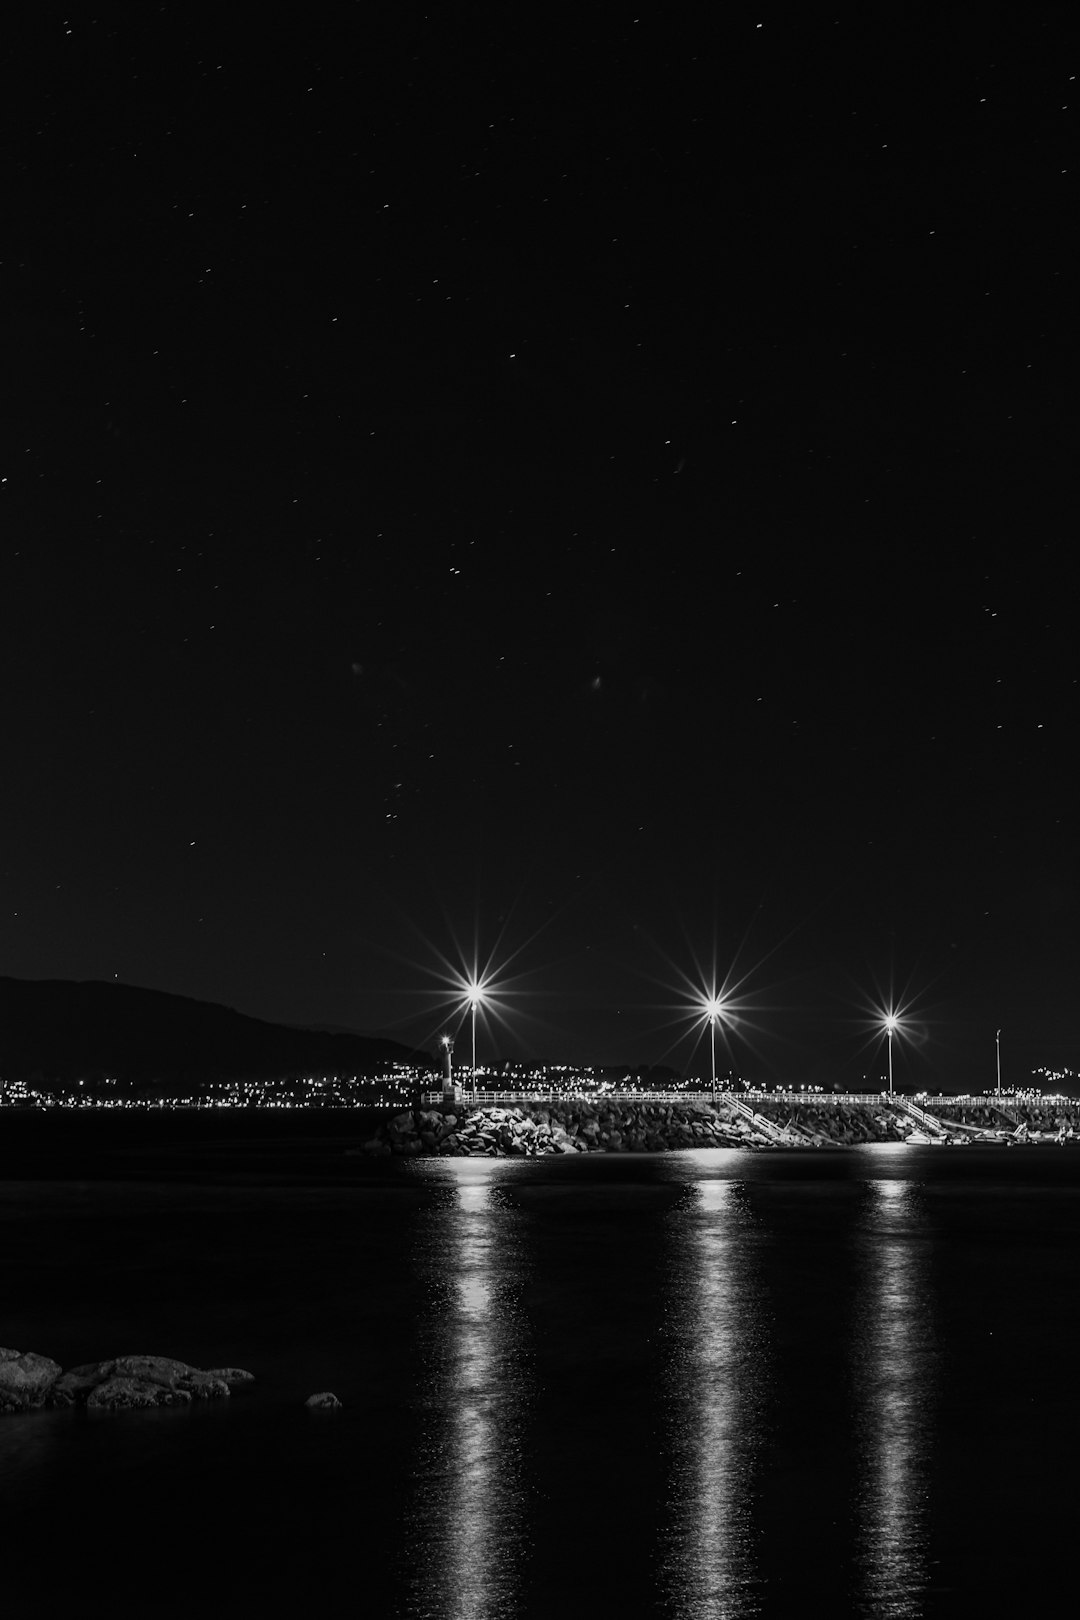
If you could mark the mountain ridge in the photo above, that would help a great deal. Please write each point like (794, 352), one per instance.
(65, 1029)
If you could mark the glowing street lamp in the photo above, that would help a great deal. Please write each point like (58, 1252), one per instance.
(891, 1023)
(714, 1010)
(474, 997)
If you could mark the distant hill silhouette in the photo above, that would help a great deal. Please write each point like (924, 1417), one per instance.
(61, 1029)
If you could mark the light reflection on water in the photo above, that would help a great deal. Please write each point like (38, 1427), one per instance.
(717, 1378)
(894, 1394)
(467, 1520)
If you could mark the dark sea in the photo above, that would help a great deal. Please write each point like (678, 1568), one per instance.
(693, 1384)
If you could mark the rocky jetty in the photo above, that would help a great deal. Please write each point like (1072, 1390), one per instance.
(29, 1381)
(608, 1125)
(840, 1124)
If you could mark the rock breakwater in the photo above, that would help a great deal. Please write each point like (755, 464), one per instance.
(840, 1124)
(29, 1381)
(572, 1126)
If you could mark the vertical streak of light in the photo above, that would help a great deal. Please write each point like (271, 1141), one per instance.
(717, 1379)
(894, 1392)
(467, 1532)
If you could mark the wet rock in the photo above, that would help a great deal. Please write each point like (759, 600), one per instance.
(233, 1376)
(374, 1148)
(26, 1379)
(324, 1401)
(120, 1394)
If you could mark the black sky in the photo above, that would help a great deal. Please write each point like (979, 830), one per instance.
(598, 492)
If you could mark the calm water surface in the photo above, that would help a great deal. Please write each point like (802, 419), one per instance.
(683, 1385)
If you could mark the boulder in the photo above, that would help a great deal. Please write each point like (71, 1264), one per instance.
(233, 1376)
(120, 1394)
(324, 1401)
(374, 1148)
(73, 1387)
(25, 1379)
(151, 1369)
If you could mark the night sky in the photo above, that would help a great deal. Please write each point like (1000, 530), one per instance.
(587, 496)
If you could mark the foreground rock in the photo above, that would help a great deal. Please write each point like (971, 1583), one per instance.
(25, 1380)
(28, 1381)
(324, 1401)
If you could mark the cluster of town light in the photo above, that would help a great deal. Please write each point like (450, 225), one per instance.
(1055, 1076)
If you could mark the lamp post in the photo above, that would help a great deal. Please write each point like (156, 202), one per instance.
(890, 1025)
(713, 1009)
(474, 995)
(997, 1043)
(447, 1044)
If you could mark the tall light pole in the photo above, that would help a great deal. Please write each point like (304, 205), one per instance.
(474, 995)
(997, 1042)
(713, 1009)
(890, 1024)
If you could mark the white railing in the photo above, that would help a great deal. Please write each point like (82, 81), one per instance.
(768, 1126)
(738, 1100)
(821, 1099)
(928, 1121)
(741, 1100)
